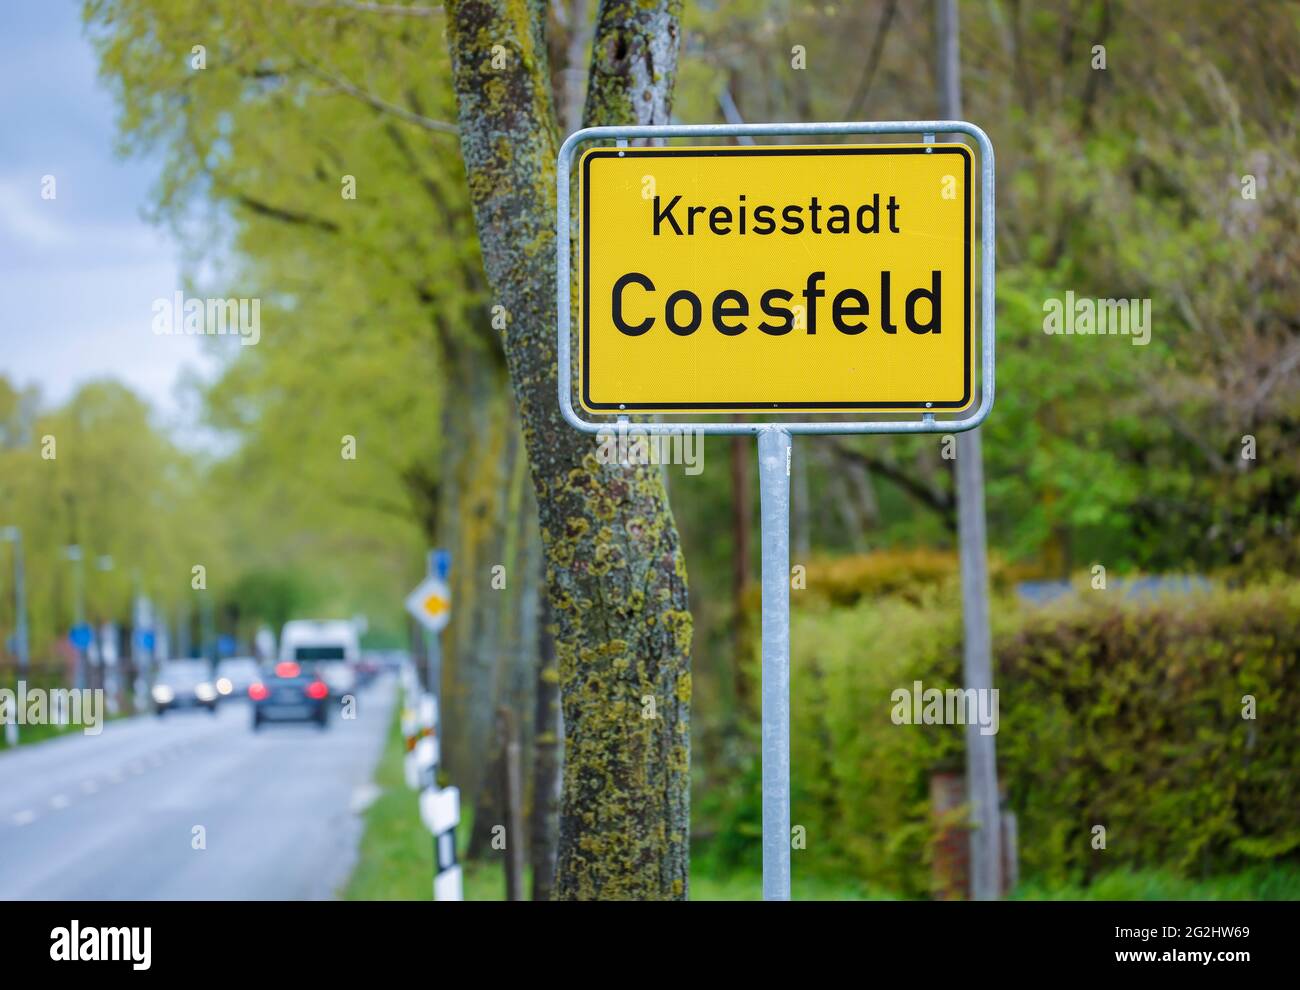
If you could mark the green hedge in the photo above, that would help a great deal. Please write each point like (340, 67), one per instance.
(1122, 714)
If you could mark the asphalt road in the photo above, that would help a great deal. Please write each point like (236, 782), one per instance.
(113, 816)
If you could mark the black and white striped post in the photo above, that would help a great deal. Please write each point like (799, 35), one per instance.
(440, 811)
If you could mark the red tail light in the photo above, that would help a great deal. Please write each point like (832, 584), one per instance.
(317, 690)
(287, 668)
(258, 691)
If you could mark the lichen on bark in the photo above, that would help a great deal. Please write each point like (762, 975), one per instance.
(615, 573)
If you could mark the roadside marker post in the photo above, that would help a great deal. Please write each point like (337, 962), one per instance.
(440, 812)
(681, 250)
(430, 604)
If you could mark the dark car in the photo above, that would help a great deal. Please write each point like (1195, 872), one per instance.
(290, 692)
(184, 684)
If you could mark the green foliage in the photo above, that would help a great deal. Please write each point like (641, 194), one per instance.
(271, 596)
(1275, 882)
(98, 472)
(302, 166)
(913, 575)
(1127, 715)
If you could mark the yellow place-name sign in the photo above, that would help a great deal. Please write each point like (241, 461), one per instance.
(735, 279)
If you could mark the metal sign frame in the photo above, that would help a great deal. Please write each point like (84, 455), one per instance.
(929, 128)
(775, 437)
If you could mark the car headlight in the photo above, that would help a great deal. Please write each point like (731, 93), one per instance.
(224, 686)
(205, 692)
(163, 694)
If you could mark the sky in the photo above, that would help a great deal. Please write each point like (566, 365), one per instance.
(79, 272)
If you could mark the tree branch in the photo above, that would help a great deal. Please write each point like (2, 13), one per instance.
(873, 61)
(272, 212)
(378, 103)
(932, 497)
(363, 7)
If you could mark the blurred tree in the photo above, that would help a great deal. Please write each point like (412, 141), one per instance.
(99, 473)
(615, 569)
(305, 165)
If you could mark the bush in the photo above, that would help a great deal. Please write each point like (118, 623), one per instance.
(1122, 714)
(913, 574)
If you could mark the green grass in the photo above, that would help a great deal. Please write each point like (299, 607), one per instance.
(396, 864)
(1276, 882)
(28, 734)
(396, 860)
(748, 886)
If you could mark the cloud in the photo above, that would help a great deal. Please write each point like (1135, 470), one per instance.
(23, 220)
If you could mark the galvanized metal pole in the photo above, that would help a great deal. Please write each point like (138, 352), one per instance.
(432, 640)
(433, 664)
(977, 670)
(79, 611)
(20, 602)
(15, 536)
(977, 653)
(774, 450)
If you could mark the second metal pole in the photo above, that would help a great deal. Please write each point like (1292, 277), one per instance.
(774, 490)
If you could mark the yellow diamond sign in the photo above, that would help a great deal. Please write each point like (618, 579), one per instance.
(430, 603)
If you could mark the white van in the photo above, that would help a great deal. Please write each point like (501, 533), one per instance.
(330, 647)
(316, 640)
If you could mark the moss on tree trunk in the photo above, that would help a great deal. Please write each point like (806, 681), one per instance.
(615, 573)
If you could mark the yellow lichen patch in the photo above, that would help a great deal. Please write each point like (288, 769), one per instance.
(679, 622)
(684, 687)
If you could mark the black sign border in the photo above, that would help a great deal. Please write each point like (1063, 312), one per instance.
(771, 150)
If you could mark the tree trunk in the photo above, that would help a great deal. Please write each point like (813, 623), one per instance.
(615, 573)
(508, 607)
(546, 766)
(477, 428)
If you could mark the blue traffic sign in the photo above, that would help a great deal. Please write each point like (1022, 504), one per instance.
(440, 564)
(81, 635)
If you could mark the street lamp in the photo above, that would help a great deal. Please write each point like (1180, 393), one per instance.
(104, 564)
(73, 554)
(14, 535)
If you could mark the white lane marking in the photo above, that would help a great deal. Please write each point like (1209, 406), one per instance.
(59, 802)
(24, 817)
